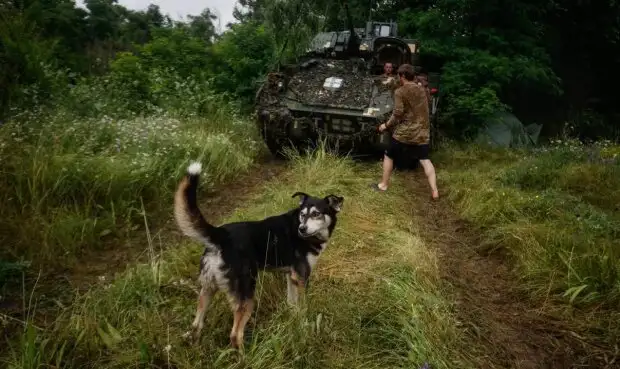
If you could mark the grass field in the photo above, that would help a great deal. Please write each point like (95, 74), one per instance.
(555, 213)
(71, 184)
(556, 210)
(376, 299)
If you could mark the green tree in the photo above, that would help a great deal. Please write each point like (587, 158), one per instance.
(241, 57)
(491, 54)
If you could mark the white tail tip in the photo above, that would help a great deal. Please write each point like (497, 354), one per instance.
(194, 168)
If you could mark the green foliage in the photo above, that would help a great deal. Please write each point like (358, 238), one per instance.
(77, 175)
(488, 53)
(492, 56)
(127, 71)
(38, 38)
(175, 49)
(291, 34)
(384, 307)
(27, 62)
(240, 58)
(201, 26)
(554, 210)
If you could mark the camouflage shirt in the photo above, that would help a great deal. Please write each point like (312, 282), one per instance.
(409, 122)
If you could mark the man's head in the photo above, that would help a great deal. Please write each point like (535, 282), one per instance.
(388, 68)
(406, 73)
(317, 216)
(422, 80)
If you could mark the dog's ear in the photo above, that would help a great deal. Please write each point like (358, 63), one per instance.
(304, 197)
(335, 202)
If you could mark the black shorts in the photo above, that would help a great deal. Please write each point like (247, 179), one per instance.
(406, 154)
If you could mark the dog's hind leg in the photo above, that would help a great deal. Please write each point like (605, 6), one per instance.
(204, 299)
(242, 310)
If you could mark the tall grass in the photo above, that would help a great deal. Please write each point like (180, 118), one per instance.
(75, 177)
(555, 209)
(375, 299)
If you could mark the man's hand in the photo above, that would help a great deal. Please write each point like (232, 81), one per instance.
(382, 127)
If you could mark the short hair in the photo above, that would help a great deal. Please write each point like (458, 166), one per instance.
(407, 71)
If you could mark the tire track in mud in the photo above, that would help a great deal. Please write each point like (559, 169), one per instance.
(505, 329)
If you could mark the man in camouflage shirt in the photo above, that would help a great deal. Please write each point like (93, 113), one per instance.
(410, 129)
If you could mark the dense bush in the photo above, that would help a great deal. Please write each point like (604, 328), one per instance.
(79, 172)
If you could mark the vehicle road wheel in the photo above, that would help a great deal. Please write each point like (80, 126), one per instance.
(272, 143)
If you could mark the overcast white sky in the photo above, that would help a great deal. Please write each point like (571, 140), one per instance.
(179, 9)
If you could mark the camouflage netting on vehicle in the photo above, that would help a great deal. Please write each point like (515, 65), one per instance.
(267, 94)
(355, 91)
(270, 108)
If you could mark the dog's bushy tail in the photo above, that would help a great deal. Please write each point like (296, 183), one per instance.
(187, 214)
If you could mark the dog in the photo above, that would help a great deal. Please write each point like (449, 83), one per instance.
(235, 252)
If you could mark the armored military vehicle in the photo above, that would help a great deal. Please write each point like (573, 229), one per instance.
(338, 92)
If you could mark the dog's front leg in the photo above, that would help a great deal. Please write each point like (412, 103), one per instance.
(292, 293)
(296, 283)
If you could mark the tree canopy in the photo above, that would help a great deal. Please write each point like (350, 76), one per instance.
(549, 62)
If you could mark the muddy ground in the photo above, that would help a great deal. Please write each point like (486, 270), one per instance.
(506, 330)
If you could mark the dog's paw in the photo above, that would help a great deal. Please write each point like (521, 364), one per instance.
(191, 337)
(188, 337)
(234, 342)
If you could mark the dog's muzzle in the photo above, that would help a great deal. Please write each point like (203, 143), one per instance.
(301, 231)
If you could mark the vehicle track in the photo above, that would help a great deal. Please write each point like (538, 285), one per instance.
(505, 329)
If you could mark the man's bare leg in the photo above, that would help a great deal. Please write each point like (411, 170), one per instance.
(388, 165)
(429, 170)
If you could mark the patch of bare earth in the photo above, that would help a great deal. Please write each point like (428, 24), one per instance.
(56, 289)
(504, 329)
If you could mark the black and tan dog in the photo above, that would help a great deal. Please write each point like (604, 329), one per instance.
(235, 252)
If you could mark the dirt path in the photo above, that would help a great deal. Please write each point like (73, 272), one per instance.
(505, 330)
